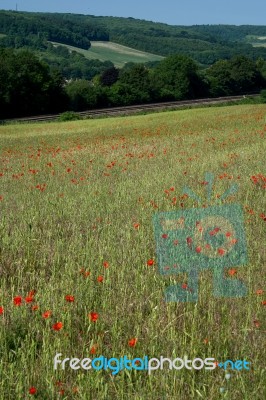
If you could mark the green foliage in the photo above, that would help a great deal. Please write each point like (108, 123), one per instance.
(263, 96)
(82, 95)
(237, 76)
(27, 86)
(69, 116)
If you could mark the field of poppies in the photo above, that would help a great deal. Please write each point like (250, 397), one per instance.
(78, 262)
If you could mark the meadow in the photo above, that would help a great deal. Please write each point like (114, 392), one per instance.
(78, 263)
(116, 53)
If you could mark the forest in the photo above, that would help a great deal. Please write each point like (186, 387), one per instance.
(37, 77)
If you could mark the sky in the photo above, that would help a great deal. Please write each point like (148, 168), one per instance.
(173, 12)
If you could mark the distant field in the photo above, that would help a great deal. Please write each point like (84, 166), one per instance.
(78, 261)
(119, 55)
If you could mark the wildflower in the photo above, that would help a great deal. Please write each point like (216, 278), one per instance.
(132, 342)
(93, 316)
(47, 314)
(221, 251)
(263, 302)
(256, 323)
(29, 299)
(70, 298)
(136, 226)
(35, 307)
(32, 390)
(93, 350)
(105, 264)
(165, 236)
(1, 310)
(184, 286)
(259, 292)
(100, 278)
(150, 262)
(232, 271)
(17, 301)
(57, 326)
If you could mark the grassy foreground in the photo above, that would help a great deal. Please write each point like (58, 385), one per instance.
(78, 265)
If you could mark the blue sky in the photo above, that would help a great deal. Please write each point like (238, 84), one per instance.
(174, 12)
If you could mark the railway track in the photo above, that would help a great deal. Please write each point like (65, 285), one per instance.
(128, 110)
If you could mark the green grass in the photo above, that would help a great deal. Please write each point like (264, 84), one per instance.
(76, 194)
(119, 55)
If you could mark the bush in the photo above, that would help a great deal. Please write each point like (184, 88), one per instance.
(263, 95)
(69, 116)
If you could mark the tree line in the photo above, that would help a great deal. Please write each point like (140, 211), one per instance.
(29, 86)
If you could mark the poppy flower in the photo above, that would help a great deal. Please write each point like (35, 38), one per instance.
(263, 302)
(29, 299)
(100, 278)
(17, 301)
(184, 286)
(93, 350)
(35, 307)
(256, 323)
(259, 292)
(136, 226)
(1, 310)
(57, 326)
(221, 251)
(70, 298)
(105, 264)
(32, 390)
(132, 342)
(93, 316)
(232, 271)
(47, 314)
(150, 262)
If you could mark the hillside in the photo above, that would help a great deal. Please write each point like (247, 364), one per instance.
(205, 44)
(109, 51)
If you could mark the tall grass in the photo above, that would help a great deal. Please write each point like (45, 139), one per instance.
(76, 202)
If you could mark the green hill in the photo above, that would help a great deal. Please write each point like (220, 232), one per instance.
(109, 51)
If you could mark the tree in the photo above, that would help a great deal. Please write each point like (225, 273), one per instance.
(109, 76)
(176, 78)
(27, 86)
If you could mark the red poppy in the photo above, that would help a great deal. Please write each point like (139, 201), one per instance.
(70, 298)
(100, 278)
(259, 292)
(17, 301)
(132, 342)
(105, 264)
(32, 390)
(35, 307)
(93, 350)
(136, 226)
(29, 299)
(221, 251)
(47, 314)
(150, 262)
(1, 310)
(57, 326)
(256, 323)
(263, 302)
(232, 271)
(93, 316)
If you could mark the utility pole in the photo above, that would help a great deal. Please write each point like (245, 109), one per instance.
(16, 6)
